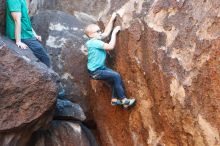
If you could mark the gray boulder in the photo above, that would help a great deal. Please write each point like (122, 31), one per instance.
(65, 109)
(70, 6)
(64, 38)
(63, 133)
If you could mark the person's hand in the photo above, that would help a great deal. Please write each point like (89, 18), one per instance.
(38, 38)
(117, 29)
(114, 15)
(21, 45)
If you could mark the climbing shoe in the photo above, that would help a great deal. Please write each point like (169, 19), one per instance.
(128, 102)
(117, 102)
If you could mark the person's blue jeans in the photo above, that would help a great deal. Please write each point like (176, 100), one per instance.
(38, 50)
(112, 78)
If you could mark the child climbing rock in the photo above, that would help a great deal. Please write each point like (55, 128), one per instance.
(96, 60)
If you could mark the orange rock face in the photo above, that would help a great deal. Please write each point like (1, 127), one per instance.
(168, 57)
(167, 54)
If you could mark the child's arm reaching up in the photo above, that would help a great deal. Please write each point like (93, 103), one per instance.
(111, 44)
(109, 26)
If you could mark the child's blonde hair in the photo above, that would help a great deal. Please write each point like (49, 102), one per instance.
(89, 28)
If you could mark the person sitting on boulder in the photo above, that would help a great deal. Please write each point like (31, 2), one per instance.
(96, 60)
(19, 29)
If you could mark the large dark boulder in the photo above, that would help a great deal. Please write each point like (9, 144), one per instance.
(64, 38)
(28, 91)
(69, 6)
(63, 133)
(67, 110)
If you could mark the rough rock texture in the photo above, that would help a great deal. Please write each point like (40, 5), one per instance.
(24, 125)
(61, 133)
(167, 55)
(79, 8)
(27, 94)
(168, 58)
(67, 110)
(64, 38)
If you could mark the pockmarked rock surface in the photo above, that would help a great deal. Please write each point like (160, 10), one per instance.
(83, 8)
(64, 38)
(63, 133)
(28, 91)
(167, 54)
